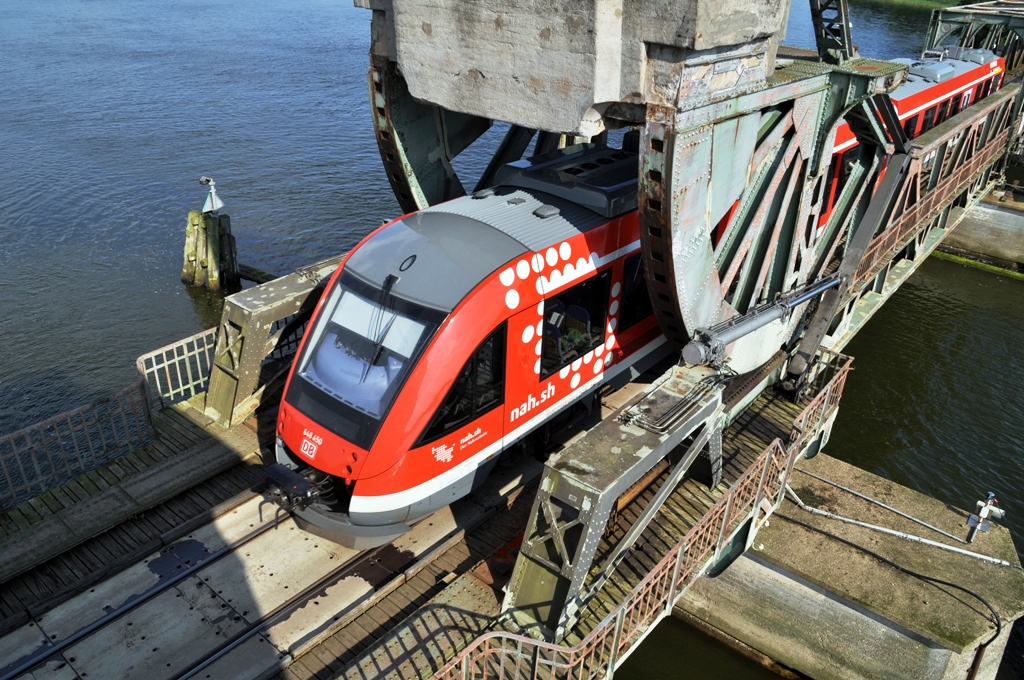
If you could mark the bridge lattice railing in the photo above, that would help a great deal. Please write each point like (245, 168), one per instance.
(41, 457)
(916, 217)
(178, 371)
(756, 495)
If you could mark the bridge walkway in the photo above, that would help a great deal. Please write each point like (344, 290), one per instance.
(768, 418)
(423, 624)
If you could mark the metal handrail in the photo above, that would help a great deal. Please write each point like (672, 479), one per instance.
(649, 602)
(910, 221)
(809, 422)
(500, 654)
(178, 371)
(41, 457)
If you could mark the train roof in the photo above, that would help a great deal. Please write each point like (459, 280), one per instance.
(453, 254)
(540, 202)
(933, 68)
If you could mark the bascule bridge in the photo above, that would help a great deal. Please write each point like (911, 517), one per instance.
(759, 264)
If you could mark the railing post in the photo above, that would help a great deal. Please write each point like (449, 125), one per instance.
(147, 407)
(616, 636)
(675, 579)
(535, 664)
(757, 500)
(824, 407)
(725, 523)
(786, 472)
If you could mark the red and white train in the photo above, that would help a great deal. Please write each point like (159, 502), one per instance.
(939, 86)
(452, 333)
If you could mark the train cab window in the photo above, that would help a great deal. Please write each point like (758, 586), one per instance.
(357, 356)
(910, 127)
(478, 389)
(574, 322)
(929, 120)
(636, 302)
(941, 116)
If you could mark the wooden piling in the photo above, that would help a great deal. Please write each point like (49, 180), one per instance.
(228, 254)
(210, 257)
(189, 261)
(212, 227)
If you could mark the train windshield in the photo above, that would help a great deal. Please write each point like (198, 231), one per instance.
(362, 348)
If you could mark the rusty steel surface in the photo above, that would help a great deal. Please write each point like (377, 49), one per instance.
(505, 655)
(726, 187)
(995, 25)
(948, 172)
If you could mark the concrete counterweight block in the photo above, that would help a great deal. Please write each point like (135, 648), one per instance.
(558, 66)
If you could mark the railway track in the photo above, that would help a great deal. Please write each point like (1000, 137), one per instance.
(240, 596)
(54, 581)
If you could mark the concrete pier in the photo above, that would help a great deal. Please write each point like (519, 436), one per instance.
(810, 600)
(992, 232)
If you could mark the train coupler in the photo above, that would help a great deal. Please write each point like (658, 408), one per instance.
(290, 489)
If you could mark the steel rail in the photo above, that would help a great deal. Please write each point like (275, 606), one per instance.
(287, 607)
(272, 617)
(159, 588)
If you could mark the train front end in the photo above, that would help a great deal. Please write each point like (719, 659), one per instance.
(372, 371)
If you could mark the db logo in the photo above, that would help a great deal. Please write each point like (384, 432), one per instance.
(308, 449)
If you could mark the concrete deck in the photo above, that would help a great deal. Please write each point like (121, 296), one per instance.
(830, 610)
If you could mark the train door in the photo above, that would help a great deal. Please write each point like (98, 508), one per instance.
(553, 352)
(470, 417)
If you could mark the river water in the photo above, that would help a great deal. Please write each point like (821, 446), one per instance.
(110, 111)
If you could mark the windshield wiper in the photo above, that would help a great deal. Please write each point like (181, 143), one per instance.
(389, 282)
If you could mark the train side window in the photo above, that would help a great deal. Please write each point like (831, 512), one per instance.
(910, 127)
(479, 388)
(574, 322)
(489, 373)
(954, 106)
(636, 302)
(929, 120)
(941, 116)
(982, 90)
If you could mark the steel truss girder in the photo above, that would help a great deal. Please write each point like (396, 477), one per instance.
(730, 194)
(997, 26)
(553, 578)
(831, 20)
(711, 437)
(256, 324)
(418, 141)
(929, 174)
